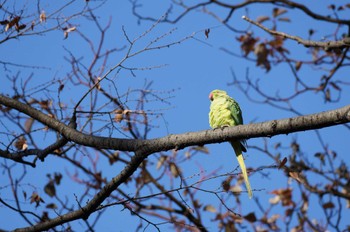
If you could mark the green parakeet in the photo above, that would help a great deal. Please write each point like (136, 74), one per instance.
(225, 111)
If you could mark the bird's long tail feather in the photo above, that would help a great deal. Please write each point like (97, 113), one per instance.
(237, 147)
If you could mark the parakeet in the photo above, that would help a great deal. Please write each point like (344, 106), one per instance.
(225, 111)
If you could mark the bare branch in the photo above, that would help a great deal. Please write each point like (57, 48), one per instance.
(307, 43)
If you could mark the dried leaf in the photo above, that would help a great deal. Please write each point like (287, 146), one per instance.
(4, 22)
(283, 162)
(174, 170)
(332, 7)
(226, 185)
(284, 19)
(206, 32)
(202, 149)
(71, 29)
(20, 27)
(261, 53)
(12, 23)
(273, 218)
(50, 189)
(60, 88)
(57, 177)
(161, 161)
(21, 143)
(44, 217)
(284, 195)
(278, 11)
(42, 17)
(247, 43)
(262, 19)
(250, 217)
(51, 206)
(113, 158)
(298, 65)
(277, 145)
(295, 147)
(328, 95)
(118, 115)
(210, 208)
(274, 200)
(28, 125)
(311, 32)
(328, 205)
(67, 31)
(296, 176)
(35, 198)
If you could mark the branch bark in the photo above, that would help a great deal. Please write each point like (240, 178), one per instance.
(180, 141)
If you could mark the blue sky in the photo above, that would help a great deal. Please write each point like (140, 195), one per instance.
(192, 69)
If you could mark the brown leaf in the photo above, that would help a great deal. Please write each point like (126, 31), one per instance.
(298, 65)
(113, 158)
(4, 22)
(210, 208)
(250, 217)
(262, 19)
(328, 205)
(42, 17)
(35, 198)
(51, 206)
(57, 177)
(21, 143)
(174, 170)
(247, 43)
(296, 176)
(284, 19)
(283, 162)
(278, 11)
(20, 27)
(65, 35)
(28, 125)
(261, 53)
(328, 95)
(44, 217)
(12, 23)
(67, 31)
(161, 161)
(226, 185)
(60, 88)
(118, 115)
(50, 189)
(332, 7)
(206, 32)
(284, 195)
(202, 149)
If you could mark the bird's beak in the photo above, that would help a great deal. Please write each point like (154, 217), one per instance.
(211, 97)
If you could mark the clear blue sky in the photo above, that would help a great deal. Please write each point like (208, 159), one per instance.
(193, 68)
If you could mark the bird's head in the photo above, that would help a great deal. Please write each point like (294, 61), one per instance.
(216, 93)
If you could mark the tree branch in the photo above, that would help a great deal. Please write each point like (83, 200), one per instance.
(180, 141)
(307, 43)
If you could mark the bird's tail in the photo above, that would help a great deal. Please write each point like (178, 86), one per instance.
(237, 147)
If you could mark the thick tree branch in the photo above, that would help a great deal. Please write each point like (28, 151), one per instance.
(180, 141)
(307, 43)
